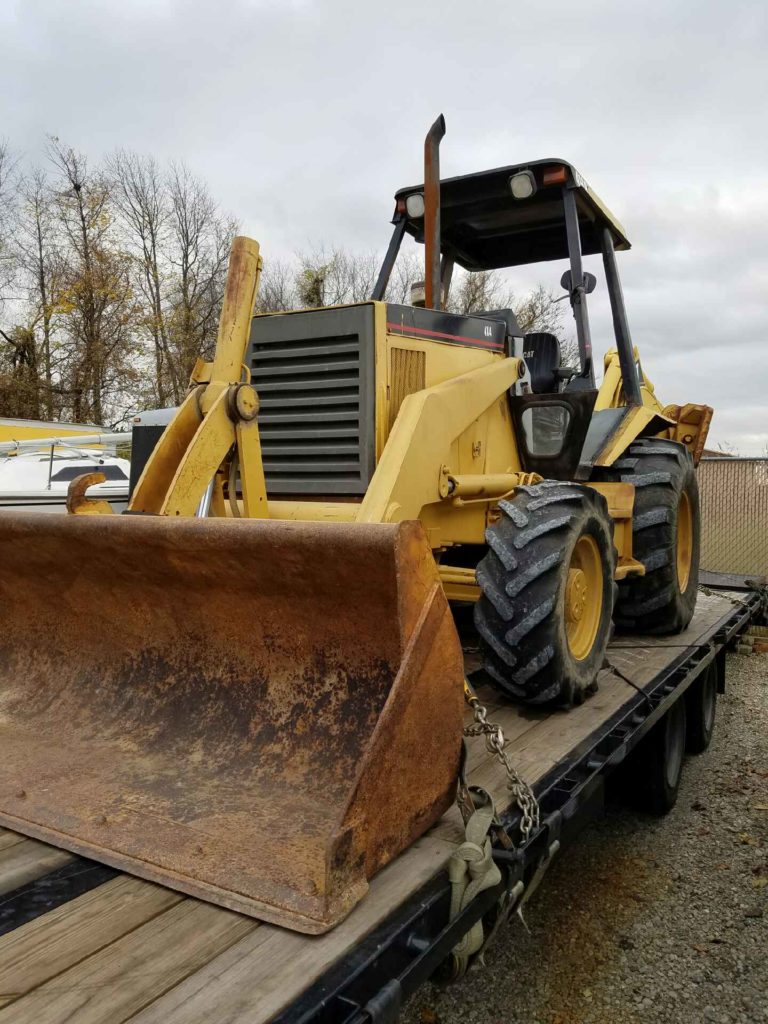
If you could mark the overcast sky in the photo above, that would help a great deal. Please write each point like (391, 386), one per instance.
(305, 116)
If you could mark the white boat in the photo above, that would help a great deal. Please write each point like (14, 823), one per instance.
(35, 475)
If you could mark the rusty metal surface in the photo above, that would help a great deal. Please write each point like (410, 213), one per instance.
(78, 503)
(432, 237)
(257, 713)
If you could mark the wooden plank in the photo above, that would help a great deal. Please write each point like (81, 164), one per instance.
(8, 838)
(638, 658)
(640, 664)
(118, 981)
(539, 749)
(25, 861)
(517, 726)
(738, 581)
(560, 736)
(555, 732)
(54, 942)
(515, 723)
(197, 1000)
(535, 752)
(266, 970)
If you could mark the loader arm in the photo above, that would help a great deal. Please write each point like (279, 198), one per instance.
(410, 471)
(217, 422)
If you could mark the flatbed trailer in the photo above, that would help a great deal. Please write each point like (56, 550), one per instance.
(81, 942)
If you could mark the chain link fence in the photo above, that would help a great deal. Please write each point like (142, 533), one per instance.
(734, 514)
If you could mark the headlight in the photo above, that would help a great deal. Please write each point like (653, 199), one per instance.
(414, 206)
(522, 185)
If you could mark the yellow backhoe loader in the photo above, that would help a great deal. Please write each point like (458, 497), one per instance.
(249, 687)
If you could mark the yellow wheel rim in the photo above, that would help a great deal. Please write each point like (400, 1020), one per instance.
(583, 597)
(684, 540)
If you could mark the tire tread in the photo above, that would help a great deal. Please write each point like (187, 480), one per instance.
(521, 581)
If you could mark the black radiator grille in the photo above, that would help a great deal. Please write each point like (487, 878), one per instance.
(316, 413)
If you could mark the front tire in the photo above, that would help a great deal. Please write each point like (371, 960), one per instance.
(547, 591)
(665, 537)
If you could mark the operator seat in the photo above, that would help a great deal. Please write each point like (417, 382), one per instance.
(541, 352)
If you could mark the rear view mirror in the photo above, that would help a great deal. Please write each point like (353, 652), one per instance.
(589, 282)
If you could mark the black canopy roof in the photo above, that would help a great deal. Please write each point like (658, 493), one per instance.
(484, 227)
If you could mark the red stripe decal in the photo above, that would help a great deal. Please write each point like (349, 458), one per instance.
(402, 329)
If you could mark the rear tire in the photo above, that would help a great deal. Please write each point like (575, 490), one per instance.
(701, 702)
(547, 592)
(665, 537)
(657, 764)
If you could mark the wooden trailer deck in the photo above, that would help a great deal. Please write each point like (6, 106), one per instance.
(129, 950)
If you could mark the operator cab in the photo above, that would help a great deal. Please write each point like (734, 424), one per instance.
(514, 216)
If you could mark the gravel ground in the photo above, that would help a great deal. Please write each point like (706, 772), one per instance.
(643, 919)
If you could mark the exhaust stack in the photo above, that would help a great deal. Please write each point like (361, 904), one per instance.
(432, 213)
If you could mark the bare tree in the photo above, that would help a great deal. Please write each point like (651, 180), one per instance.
(327, 277)
(8, 186)
(118, 272)
(409, 268)
(277, 288)
(333, 277)
(200, 240)
(540, 310)
(118, 276)
(477, 292)
(141, 198)
(39, 266)
(321, 277)
(96, 298)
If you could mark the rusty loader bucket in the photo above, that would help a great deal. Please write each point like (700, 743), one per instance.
(260, 714)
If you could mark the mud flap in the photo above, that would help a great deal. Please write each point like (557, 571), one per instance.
(260, 714)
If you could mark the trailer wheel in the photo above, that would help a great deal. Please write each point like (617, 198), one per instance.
(665, 537)
(547, 591)
(657, 765)
(701, 702)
